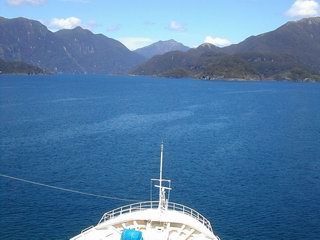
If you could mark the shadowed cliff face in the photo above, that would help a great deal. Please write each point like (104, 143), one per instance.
(69, 51)
(8, 67)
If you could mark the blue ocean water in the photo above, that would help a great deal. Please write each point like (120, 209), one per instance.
(244, 154)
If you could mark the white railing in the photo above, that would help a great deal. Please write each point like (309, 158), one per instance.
(86, 229)
(153, 205)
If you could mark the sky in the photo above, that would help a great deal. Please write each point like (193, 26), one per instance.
(137, 23)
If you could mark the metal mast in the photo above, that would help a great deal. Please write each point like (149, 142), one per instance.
(163, 201)
(162, 196)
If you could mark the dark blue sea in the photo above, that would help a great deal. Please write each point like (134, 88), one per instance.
(244, 154)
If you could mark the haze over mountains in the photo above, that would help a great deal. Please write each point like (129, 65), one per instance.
(161, 47)
(290, 52)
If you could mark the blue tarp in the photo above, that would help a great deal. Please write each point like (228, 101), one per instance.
(131, 234)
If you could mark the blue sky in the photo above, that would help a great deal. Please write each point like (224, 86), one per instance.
(137, 23)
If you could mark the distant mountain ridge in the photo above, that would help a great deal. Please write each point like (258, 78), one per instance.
(290, 52)
(161, 47)
(68, 51)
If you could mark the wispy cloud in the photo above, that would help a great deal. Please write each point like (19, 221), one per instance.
(65, 23)
(177, 26)
(135, 42)
(148, 23)
(304, 8)
(91, 25)
(217, 41)
(20, 2)
(113, 28)
(77, 1)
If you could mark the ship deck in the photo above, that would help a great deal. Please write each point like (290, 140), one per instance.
(176, 222)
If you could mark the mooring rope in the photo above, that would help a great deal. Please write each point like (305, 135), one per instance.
(67, 189)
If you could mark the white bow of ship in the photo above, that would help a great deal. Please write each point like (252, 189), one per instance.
(152, 220)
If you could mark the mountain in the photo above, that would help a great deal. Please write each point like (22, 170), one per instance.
(30, 41)
(300, 39)
(161, 47)
(67, 51)
(216, 65)
(96, 53)
(170, 61)
(289, 52)
(207, 48)
(8, 67)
